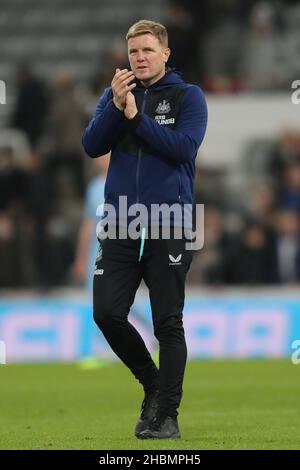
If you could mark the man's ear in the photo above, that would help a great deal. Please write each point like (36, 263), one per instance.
(166, 53)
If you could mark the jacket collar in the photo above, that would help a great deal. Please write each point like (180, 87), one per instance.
(165, 80)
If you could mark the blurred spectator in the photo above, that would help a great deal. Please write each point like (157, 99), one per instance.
(66, 123)
(286, 248)
(10, 196)
(262, 18)
(286, 151)
(261, 206)
(36, 193)
(249, 262)
(289, 197)
(115, 57)
(182, 34)
(31, 105)
(188, 23)
(87, 242)
(10, 180)
(208, 265)
(262, 48)
(9, 272)
(58, 250)
(37, 205)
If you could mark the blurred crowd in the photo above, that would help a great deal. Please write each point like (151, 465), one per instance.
(236, 45)
(260, 245)
(43, 187)
(49, 189)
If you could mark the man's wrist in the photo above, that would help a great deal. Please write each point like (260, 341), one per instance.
(117, 106)
(131, 116)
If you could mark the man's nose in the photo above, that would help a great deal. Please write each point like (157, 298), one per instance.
(140, 57)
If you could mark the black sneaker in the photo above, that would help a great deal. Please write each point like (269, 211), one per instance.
(149, 409)
(161, 427)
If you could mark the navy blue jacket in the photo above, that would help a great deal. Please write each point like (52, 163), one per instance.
(153, 154)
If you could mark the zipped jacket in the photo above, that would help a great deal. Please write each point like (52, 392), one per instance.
(152, 155)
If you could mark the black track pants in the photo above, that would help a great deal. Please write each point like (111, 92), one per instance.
(118, 273)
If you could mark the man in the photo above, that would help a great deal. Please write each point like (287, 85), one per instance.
(153, 123)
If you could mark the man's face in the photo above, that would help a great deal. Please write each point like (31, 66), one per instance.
(147, 58)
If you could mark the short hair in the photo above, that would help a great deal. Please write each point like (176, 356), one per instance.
(157, 30)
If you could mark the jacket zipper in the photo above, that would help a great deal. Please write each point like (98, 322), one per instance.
(179, 195)
(140, 152)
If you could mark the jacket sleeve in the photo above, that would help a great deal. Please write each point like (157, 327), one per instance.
(100, 135)
(180, 144)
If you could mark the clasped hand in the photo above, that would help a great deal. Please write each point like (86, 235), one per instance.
(123, 99)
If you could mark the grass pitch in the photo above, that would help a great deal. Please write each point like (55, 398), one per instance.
(226, 405)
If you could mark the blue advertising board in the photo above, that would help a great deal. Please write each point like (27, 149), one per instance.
(54, 329)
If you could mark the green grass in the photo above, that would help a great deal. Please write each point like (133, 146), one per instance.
(226, 405)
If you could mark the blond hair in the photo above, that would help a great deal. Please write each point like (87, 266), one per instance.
(157, 30)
